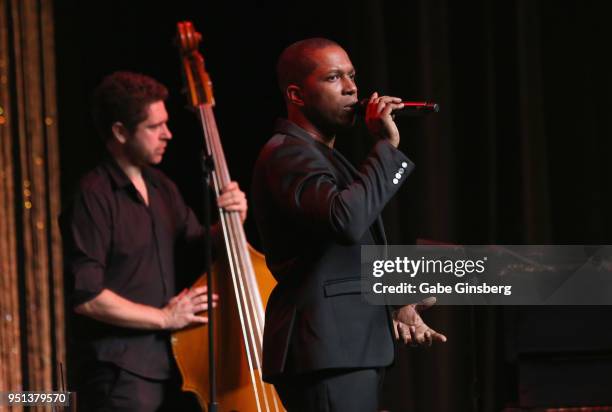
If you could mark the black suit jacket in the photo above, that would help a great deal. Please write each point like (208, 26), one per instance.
(314, 211)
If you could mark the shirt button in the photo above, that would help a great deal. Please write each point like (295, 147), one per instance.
(401, 170)
(398, 175)
(395, 181)
(404, 164)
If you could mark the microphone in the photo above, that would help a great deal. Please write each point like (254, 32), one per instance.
(409, 109)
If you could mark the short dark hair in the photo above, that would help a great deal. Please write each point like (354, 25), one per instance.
(124, 97)
(295, 64)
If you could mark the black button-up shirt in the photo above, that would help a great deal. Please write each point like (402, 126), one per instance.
(113, 240)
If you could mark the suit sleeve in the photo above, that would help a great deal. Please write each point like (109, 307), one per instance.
(300, 179)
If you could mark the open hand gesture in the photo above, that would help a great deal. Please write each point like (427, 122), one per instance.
(410, 328)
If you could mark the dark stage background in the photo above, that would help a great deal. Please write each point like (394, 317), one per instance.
(519, 153)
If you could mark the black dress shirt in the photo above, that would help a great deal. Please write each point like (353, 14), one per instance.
(113, 240)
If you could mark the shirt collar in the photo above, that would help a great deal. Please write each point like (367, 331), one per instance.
(120, 179)
(287, 127)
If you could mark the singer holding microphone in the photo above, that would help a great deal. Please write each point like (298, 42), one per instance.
(325, 349)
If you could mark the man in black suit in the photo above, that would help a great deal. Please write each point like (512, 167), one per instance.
(324, 347)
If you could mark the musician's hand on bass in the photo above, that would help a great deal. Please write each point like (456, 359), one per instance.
(183, 309)
(233, 199)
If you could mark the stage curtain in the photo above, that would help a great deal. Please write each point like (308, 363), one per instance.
(32, 338)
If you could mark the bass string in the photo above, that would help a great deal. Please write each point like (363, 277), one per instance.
(237, 244)
(249, 305)
(210, 147)
(236, 230)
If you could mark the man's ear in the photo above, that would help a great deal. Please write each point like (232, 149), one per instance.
(294, 95)
(120, 132)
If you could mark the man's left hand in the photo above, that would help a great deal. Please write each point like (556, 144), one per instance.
(233, 199)
(410, 328)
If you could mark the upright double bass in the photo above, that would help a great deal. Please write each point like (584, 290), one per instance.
(242, 279)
